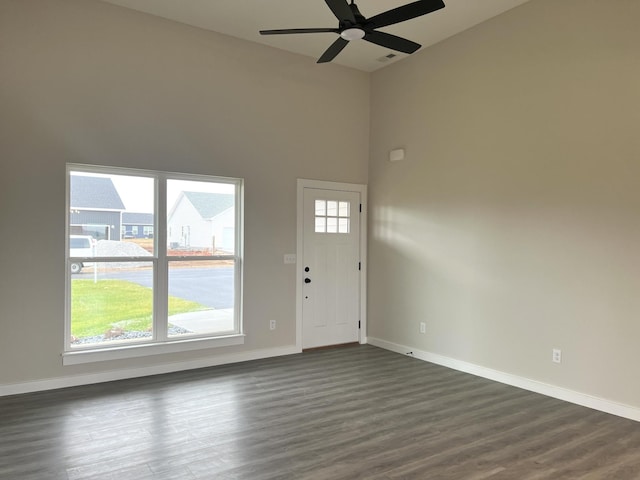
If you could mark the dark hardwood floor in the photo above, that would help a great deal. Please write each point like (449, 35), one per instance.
(349, 413)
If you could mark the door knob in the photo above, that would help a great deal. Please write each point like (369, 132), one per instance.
(307, 280)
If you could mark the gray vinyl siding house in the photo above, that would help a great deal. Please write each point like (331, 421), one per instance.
(96, 208)
(137, 225)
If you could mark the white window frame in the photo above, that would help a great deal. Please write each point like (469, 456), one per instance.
(160, 342)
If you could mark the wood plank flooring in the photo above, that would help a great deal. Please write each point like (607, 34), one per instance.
(349, 413)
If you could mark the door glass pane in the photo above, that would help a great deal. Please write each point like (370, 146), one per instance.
(201, 297)
(321, 224)
(332, 225)
(343, 209)
(111, 304)
(343, 225)
(200, 218)
(332, 208)
(321, 207)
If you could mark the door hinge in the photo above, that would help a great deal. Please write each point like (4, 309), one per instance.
(358, 323)
(359, 265)
(360, 208)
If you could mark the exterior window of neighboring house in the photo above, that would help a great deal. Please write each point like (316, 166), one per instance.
(161, 273)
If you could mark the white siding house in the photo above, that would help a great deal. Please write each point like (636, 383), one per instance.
(202, 221)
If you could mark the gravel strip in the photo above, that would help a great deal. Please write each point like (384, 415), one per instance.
(133, 335)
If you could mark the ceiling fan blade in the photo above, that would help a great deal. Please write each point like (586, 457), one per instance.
(405, 12)
(298, 30)
(341, 10)
(331, 52)
(391, 41)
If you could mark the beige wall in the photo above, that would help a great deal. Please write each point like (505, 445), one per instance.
(513, 226)
(87, 82)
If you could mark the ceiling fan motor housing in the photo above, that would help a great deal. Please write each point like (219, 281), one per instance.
(353, 31)
(346, 23)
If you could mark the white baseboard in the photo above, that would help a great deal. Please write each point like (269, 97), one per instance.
(560, 393)
(76, 380)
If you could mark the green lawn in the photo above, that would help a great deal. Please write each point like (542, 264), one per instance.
(97, 307)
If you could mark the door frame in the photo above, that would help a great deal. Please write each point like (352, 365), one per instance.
(347, 187)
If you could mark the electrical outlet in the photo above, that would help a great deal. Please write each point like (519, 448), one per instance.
(556, 355)
(272, 324)
(423, 327)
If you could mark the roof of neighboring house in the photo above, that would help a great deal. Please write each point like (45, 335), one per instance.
(135, 218)
(94, 192)
(209, 205)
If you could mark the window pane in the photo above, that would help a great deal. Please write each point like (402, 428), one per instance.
(201, 297)
(332, 225)
(332, 209)
(200, 218)
(111, 304)
(321, 224)
(343, 209)
(343, 225)
(321, 208)
(112, 211)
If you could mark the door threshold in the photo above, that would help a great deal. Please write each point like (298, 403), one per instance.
(328, 347)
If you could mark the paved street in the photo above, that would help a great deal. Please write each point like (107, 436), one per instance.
(212, 287)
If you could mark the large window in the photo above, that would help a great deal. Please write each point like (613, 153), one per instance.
(176, 287)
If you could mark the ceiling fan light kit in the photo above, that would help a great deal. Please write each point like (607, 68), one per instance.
(352, 25)
(351, 34)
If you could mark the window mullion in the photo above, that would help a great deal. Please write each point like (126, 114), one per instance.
(161, 287)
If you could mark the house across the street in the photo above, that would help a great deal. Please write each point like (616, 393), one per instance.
(95, 207)
(137, 225)
(202, 221)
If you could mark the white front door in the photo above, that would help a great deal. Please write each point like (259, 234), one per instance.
(331, 267)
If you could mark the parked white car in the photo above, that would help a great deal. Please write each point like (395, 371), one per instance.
(81, 246)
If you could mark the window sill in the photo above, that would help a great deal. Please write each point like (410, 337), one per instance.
(133, 351)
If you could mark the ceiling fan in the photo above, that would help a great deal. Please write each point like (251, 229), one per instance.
(354, 26)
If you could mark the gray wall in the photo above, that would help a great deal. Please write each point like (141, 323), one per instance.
(88, 82)
(513, 226)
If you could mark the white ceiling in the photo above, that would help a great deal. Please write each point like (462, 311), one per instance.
(244, 18)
